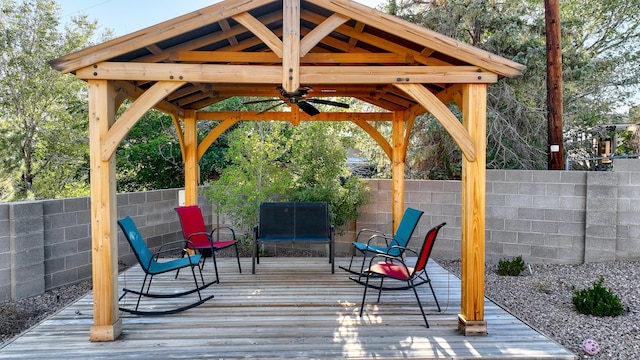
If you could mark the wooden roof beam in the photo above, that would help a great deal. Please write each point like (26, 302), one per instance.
(291, 46)
(320, 32)
(226, 28)
(261, 31)
(258, 74)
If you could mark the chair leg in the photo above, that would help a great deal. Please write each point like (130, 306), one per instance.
(238, 257)
(195, 279)
(144, 282)
(433, 292)
(410, 283)
(215, 263)
(364, 295)
(380, 290)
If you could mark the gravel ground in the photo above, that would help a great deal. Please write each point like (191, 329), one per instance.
(540, 297)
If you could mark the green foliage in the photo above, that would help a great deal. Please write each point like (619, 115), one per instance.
(149, 158)
(513, 267)
(43, 133)
(273, 161)
(597, 300)
(601, 72)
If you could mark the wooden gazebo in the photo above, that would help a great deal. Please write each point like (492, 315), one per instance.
(271, 48)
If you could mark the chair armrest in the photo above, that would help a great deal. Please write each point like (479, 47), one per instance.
(369, 231)
(233, 233)
(199, 233)
(162, 249)
(382, 236)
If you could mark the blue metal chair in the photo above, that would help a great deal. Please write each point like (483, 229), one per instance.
(151, 266)
(396, 268)
(393, 245)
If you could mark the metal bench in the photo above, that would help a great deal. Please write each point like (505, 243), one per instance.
(295, 222)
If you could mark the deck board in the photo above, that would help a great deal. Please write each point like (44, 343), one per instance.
(291, 308)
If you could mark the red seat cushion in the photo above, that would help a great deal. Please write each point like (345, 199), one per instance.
(391, 270)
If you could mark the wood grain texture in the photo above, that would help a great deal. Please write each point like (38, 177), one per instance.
(293, 308)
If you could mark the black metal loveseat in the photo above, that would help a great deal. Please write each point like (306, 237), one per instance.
(293, 221)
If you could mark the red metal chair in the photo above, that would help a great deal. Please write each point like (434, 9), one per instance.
(396, 268)
(198, 239)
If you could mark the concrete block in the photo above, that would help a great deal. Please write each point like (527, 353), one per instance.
(495, 200)
(27, 209)
(501, 212)
(600, 231)
(52, 207)
(546, 202)
(154, 196)
(570, 228)
(494, 224)
(138, 198)
(558, 215)
(573, 177)
(54, 265)
(26, 226)
(60, 221)
(516, 249)
(530, 214)
(170, 194)
(496, 175)
(27, 242)
(629, 192)
(54, 236)
(546, 176)
(519, 200)
(76, 232)
(430, 185)
(77, 204)
(546, 227)
(509, 237)
(544, 252)
(76, 260)
(505, 188)
(518, 176)
(571, 202)
(517, 225)
(607, 218)
(560, 189)
(531, 238)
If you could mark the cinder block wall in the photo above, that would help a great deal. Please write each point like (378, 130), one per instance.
(47, 244)
(545, 216)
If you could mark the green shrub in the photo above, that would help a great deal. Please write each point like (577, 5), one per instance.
(513, 267)
(597, 300)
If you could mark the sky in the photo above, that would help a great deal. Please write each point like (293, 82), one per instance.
(127, 16)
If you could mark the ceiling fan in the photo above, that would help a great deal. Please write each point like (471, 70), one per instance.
(299, 98)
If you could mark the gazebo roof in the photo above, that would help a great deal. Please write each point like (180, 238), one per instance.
(346, 49)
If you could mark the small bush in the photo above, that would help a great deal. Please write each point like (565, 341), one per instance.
(513, 267)
(597, 300)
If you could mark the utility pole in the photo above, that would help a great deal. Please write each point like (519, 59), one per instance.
(555, 150)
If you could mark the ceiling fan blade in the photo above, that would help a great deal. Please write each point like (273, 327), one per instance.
(328, 102)
(271, 107)
(260, 101)
(308, 108)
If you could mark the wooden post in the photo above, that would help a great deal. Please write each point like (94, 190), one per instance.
(191, 167)
(471, 319)
(107, 325)
(555, 140)
(397, 169)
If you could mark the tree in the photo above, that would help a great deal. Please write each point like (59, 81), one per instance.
(601, 48)
(150, 157)
(274, 161)
(43, 114)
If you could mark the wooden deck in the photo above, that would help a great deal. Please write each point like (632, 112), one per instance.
(292, 308)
